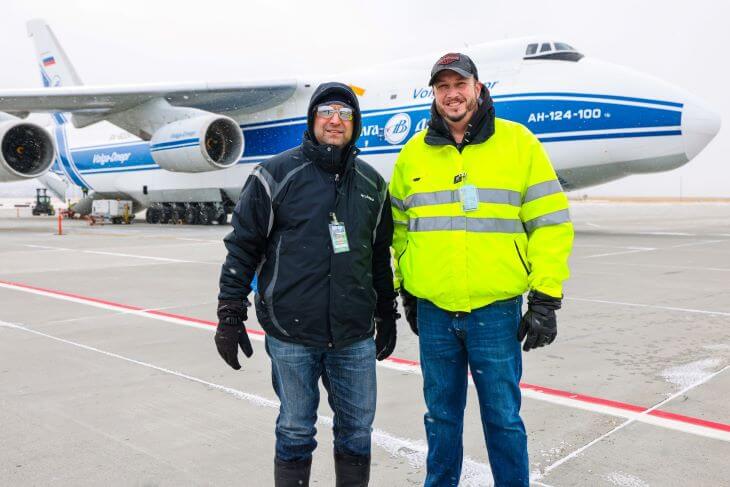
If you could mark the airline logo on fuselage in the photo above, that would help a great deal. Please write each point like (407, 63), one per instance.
(107, 158)
(397, 128)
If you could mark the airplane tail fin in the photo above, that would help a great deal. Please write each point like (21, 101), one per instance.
(56, 69)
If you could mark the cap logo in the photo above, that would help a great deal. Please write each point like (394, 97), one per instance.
(448, 58)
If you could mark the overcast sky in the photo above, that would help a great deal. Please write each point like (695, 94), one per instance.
(130, 41)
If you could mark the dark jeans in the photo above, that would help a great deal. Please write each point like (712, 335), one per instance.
(348, 376)
(485, 341)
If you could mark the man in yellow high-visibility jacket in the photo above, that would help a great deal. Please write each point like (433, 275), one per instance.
(480, 218)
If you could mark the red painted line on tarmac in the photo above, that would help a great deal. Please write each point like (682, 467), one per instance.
(71, 295)
(584, 398)
(690, 420)
(401, 361)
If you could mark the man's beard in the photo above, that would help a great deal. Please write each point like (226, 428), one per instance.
(470, 106)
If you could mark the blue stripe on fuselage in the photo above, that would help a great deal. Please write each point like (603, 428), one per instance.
(557, 113)
(64, 158)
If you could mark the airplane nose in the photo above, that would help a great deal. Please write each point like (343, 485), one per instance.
(700, 124)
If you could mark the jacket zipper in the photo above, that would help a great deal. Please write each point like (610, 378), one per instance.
(520, 256)
(333, 213)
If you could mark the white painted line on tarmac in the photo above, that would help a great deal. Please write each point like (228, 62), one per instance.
(219, 241)
(621, 247)
(119, 254)
(665, 266)
(651, 306)
(414, 451)
(45, 247)
(663, 419)
(696, 244)
(648, 249)
(632, 420)
(670, 234)
(137, 256)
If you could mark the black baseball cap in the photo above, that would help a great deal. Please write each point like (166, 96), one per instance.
(457, 62)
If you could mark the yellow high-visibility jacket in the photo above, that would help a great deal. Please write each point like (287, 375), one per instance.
(518, 238)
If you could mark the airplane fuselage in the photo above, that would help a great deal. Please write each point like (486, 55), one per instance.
(597, 121)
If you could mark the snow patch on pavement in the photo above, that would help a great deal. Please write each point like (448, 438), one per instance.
(685, 375)
(625, 480)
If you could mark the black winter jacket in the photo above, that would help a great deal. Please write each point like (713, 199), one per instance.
(306, 293)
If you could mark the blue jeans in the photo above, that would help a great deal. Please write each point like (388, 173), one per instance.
(485, 341)
(348, 376)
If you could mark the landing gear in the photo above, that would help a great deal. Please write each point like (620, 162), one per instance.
(177, 212)
(191, 213)
(205, 213)
(153, 214)
(166, 213)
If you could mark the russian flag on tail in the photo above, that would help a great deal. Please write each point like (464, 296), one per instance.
(49, 61)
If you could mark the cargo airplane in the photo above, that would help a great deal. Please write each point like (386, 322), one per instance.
(183, 150)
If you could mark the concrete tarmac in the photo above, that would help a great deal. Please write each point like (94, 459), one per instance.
(109, 374)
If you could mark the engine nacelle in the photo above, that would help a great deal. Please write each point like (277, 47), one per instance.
(27, 150)
(198, 144)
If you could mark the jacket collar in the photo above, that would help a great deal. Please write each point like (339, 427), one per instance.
(329, 158)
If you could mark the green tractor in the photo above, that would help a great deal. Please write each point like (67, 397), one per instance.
(43, 204)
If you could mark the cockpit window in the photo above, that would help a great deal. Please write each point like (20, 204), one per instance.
(559, 51)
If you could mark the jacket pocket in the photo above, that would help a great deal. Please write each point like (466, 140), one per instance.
(522, 260)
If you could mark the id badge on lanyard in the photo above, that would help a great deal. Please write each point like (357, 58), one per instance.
(338, 235)
(469, 197)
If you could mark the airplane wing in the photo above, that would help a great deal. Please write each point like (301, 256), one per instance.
(102, 101)
(139, 109)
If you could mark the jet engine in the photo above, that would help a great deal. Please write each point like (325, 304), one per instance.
(27, 150)
(199, 144)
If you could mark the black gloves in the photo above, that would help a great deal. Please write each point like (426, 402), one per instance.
(386, 315)
(231, 333)
(539, 322)
(409, 306)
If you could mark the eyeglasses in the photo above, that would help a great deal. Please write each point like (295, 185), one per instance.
(327, 111)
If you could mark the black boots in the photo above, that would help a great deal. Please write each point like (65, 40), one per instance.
(351, 470)
(292, 474)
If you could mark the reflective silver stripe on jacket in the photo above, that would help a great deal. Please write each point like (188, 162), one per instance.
(362, 175)
(450, 223)
(542, 189)
(486, 195)
(272, 188)
(554, 218)
(397, 203)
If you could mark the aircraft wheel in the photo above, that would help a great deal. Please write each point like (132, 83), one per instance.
(177, 214)
(211, 214)
(153, 215)
(203, 215)
(165, 214)
(191, 214)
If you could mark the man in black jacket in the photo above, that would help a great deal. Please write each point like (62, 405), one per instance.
(314, 225)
